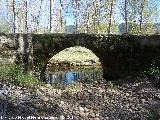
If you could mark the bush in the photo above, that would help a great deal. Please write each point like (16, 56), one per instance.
(154, 74)
(154, 70)
(12, 73)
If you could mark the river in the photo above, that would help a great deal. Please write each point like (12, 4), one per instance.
(68, 75)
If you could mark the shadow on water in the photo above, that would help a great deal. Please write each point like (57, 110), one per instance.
(68, 75)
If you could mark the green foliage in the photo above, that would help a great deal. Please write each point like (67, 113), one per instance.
(12, 73)
(4, 27)
(154, 70)
(110, 84)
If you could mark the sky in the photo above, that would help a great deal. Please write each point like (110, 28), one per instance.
(69, 18)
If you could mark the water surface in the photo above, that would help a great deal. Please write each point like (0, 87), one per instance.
(68, 75)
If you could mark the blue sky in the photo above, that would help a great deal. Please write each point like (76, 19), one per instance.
(69, 18)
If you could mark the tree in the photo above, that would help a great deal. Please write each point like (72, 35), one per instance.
(148, 14)
(26, 16)
(141, 15)
(60, 15)
(94, 16)
(110, 16)
(51, 12)
(14, 17)
(126, 16)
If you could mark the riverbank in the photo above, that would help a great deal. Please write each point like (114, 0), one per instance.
(101, 100)
(75, 56)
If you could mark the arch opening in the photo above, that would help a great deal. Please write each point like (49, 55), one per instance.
(73, 64)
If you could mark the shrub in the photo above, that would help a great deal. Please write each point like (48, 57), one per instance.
(12, 73)
(154, 70)
(154, 74)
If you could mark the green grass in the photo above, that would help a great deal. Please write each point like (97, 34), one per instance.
(12, 73)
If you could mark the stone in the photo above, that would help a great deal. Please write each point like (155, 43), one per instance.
(18, 93)
(2, 96)
(97, 115)
(96, 118)
(44, 98)
(142, 101)
(82, 114)
(42, 88)
(86, 110)
(91, 114)
(62, 117)
(62, 103)
(127, 94)
(81, 109)
(48, 85)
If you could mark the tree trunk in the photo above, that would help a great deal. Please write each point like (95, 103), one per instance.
(14, 17)
(126, 17)
(50, 19)
(141, 17)
(110, 17)
(26, 15)
(61, 19)
(94, 18)
(87, 22)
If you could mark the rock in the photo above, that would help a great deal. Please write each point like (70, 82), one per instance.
(86, 110)
(96, 118)
(2, 96)
(42, 88)
(127, 94)
(18, 93)
(44, 98)
(89, 91)
(38, 93)
(62, 117)
(127, 105)
(142, 101)
(82, 114)
(81, 109)
(50, 93)
(97, 115)
(48, 85)
(91, 114)
(62, 103)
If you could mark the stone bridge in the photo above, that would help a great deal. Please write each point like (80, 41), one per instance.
(120, 55)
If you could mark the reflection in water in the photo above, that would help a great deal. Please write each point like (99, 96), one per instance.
(69, 76)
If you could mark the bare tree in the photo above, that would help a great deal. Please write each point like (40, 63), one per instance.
(14, 17)
(26, 16)
(76, 8)
(126, 16)
(141, 17)
(110, 16)
(50, 20)
(60, 15)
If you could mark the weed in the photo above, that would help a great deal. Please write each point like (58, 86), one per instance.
(12, 73)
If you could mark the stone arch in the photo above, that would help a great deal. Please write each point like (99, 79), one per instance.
(120, 55)
(75, 63)
(52, 53)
